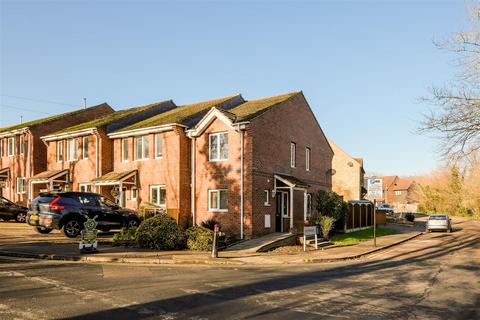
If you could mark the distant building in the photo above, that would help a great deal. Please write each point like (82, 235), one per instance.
(348, 175)
(381, 188)
(405, 197)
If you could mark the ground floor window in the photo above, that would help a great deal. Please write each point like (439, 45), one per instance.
(20, 185)
(85, 187)
(267, 198)
(158, 195)
(217, 200)
(309, 204)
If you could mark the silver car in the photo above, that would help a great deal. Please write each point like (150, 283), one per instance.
(439, 222)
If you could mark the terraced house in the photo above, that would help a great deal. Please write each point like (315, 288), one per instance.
(77, 155)
(155, 153)
(23, 154)
(256, 166)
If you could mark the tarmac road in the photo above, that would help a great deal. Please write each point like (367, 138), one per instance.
(434, 276)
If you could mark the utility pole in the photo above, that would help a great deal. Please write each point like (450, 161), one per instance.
(84, 103)
(21, 119)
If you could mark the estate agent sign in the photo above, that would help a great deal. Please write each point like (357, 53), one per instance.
(88, 242)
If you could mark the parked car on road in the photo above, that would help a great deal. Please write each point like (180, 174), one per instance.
(12, 211)
(385, 208)
(67, 211)
(439, 222)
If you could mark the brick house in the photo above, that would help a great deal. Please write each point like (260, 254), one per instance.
(256, 166)
(347, 175)
(23, 154)
(406, 193)
(155, 153)
(79, 154)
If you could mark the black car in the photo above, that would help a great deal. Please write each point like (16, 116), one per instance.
(67, 211)
(12, 211)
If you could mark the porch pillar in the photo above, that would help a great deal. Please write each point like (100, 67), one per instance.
(50, 185)
(291, 208)
(120, 194)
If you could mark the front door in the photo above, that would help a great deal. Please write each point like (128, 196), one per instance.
(282, 210)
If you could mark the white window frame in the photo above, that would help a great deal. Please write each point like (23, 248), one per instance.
(158, 137)
(308, 199)
(125, 157)
(219, 153)
(59, 151)
(85, 151)
(293, 154)
(2, 148)
(145, 156)
(74, 156)
(266, 194)
(132, 193)
(21, 187)
(11, 147)
(158, 187)
(83, 185)
(21, 144)
(307, 158)
(398, 192)
(217, 205)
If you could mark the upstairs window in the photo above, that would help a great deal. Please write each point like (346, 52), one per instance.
(85, 147)
(142, 149)
(11, 146)
(21, 145)
(293, 154)
(2, 148)
(72, 149)
(125, 150)
(307, 159)
(59, 151)
(158, 146)
(218, 146)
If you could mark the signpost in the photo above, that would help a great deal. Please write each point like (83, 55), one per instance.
(310, 231)
(374, 222)
(88, 241)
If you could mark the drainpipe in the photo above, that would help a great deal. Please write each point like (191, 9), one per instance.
(97, 169)
(192, 194)
(241, 185)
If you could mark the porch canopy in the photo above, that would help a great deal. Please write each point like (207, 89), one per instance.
(291, 183)
(5, 174)
(116, 178)
(49, 177)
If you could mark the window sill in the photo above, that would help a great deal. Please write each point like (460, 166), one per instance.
(218, 210)
(217, 160)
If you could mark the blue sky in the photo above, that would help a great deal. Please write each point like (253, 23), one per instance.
(361, 64)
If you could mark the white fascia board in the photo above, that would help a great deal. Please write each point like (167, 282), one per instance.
(142, 131)
(213, 114)
(66, 135)
(13, 132)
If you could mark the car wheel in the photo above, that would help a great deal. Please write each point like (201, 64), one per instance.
(21, 217)
(72, 228)
(42, 230)
(132, 223)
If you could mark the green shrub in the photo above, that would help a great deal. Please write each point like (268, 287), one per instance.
(160, 232)
(326, 225)
(125, 237)
(410, 216)
(199, 238)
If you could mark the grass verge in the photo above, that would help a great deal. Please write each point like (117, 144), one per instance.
(346, 239)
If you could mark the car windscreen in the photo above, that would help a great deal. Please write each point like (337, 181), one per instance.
(437, 217)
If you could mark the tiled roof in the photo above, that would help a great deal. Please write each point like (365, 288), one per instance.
(403, 184)
(47, 119)
(114, 176)
(113, 117)
(48, 174)
(293, 180)
(388, 181)
(180, 115)
(253, 108)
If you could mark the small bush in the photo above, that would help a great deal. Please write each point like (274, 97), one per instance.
(410, 216)
(148, 210)
(209, 224)
(326, 225)
(199, 238)
(125, 237)
(160, 232)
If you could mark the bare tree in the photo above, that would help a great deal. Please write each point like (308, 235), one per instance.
(455, 118)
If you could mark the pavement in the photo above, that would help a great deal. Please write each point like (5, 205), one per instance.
(19, 240)
(433, 276)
